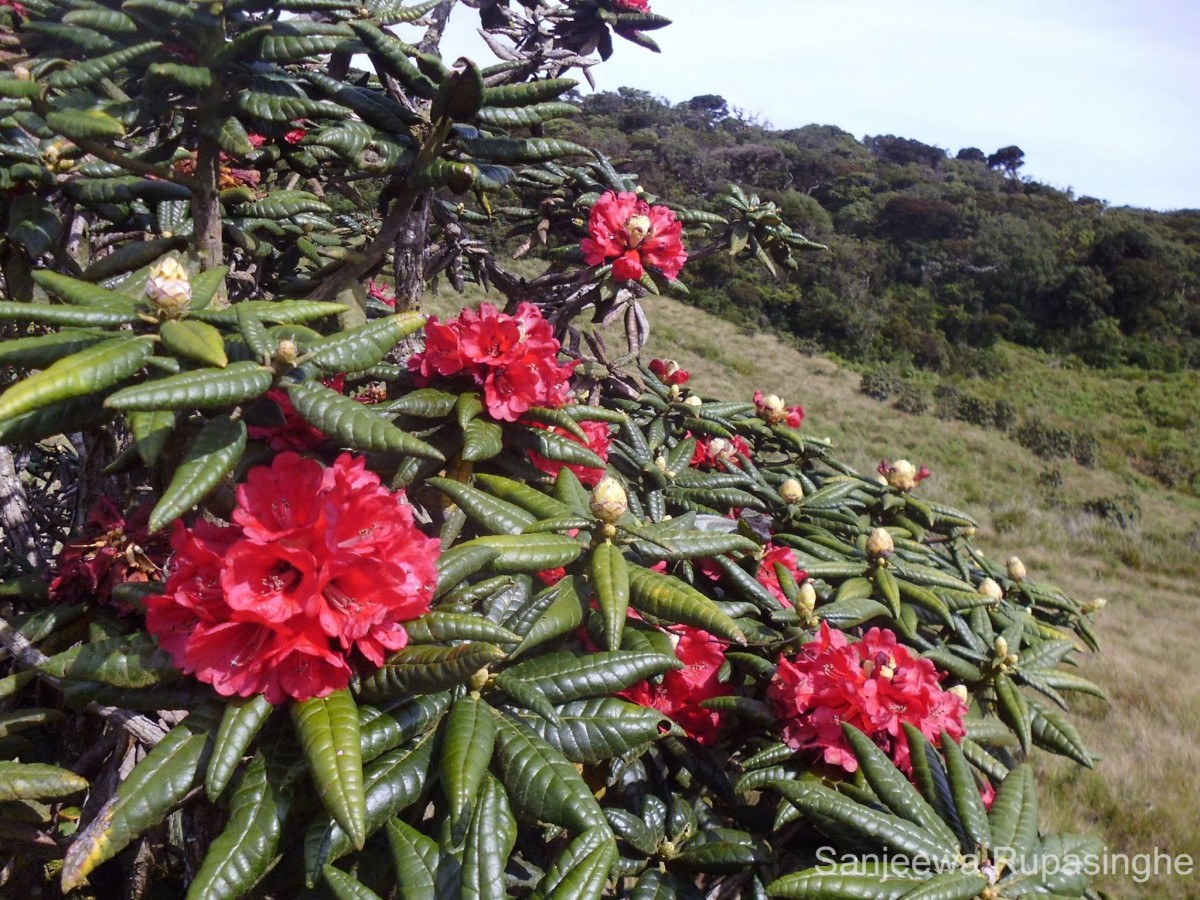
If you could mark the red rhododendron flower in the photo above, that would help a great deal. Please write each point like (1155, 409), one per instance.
(681, 691)
(256, 140)
(19, 8)
(319, 570)
(876, 685)
(513, 358)
(716, 453)
(668, 372)
(597, 442)
(112, 550)
(378, 291)
(772, 410)
(769, 578)
(295, 136)
(642, 6)
(633, 234)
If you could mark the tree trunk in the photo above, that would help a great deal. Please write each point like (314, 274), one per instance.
(15, 514)
(408, 256)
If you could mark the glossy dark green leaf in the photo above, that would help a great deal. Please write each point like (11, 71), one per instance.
(610, 585)
(357, 349)
(327, 728)
(488, 512)
(346, 887)
(200, 389)
(967, 801)
(132, 661)
(240, 723)
(417, 860)
(212, 455)
(528, 552)
(1014, 709)
(353, 423)
(591, 731)
(671, 600)
(490, 840)
(87, 372)
(441, 626)
(427, 669)
(469, 736)
(581, 871)
(37, 781)
(42, 350)
(193, 339)
(565, 676)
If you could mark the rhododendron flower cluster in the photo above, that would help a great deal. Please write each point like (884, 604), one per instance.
(631, 233)
(902, 474)
(681, 691)
(513, 358)
(772, 410)
(112, 550)
(668, 372)
(769, 578)
(876, 685)
(597, 442)
(716, 453)
(319, 569)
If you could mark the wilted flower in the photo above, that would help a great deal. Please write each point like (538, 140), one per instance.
(513, 358)
(876, 685)
(111, 551)
(320, 568)
(902, 475)
(597, 442)
(609, 501)
(880, 544)
(167, 286)
(633, 234)
(680, 692)
(668, 372)
(772, 410)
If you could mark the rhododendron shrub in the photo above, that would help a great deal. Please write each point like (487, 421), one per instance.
(318, 573)
(374, 605)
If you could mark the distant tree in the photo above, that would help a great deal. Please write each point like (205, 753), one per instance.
(971, 154)
(1008, 158)
(712, 109)
(903, 151)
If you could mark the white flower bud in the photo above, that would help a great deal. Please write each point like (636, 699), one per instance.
(1000, 647)
(960, 691)
(609, 501)
(22, 73)
(880, 544)
(791, 491)
(807, 598)
(286, 352)
(902, 475)
(693, 400)
(1016, 569)
(168, 287)
(990, 589)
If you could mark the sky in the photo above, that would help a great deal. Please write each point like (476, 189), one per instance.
(1102, 95)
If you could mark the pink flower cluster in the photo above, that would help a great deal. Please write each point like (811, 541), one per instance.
(321, 565)
(876, 685)
(716, 453)
(513, 358)
(681, 691)
(633, 234)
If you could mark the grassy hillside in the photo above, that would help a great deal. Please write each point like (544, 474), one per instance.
(1145, 792)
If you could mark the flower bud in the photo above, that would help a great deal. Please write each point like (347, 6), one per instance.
(22, 73)
(693, 400)
(168, 287)
(960, 691)
(990, 589)
(479, 680)
(609, 501)
(791, 491)
(636, 229)
(903, 475)
(1095, 605)
(807, 598)
(286, 352)
(880, 544)
(660, 462)
(1016, 569)
(1000, 647)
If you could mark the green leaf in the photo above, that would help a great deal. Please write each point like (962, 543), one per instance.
(1054, 732)
(352, 422)
(460, 94)
(488, 512)
(967, 801)
(88, 72)
(581, 871)
(280, 312)
(84, 124)
(565, 676)
(195, 340)
(467, 743)
(826, 884)
(36, 781)
(151, 431)
(528, 552)
(591, 731)
(1014, 709)
(445, 626)
(200, 389)
(357, 349)
(86, 372)
(213, 454)
(950, 886)
(610, 584)
(40, 351)
(482, 440)
(393, 56)
(346, 887)
(563, 615)
(393, 782)
(425, 669)
(557, 447)
(155, 786)
(543, 506)
(541, 783)
(132, 661)
(527, 93)
(671, 600)
(328, 731)
(508, 151)
(247, 847)
(416, 859)
(241, 722)
(461, 562)
(492, 835)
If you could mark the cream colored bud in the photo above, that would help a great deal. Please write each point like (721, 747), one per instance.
(902, 475)
(479, 680)
(1095, 605)
(990, 589)
(880, 544)
(1000, 647)
(636, 228)
(1011, 659)
(286, 352)
(1016, 569)
(882, 480)
(22, 73)
(791, 491)
(960, 691)
(660, 463)
(693, 400)
(807, 598)
(609, 501)
(168, 287)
